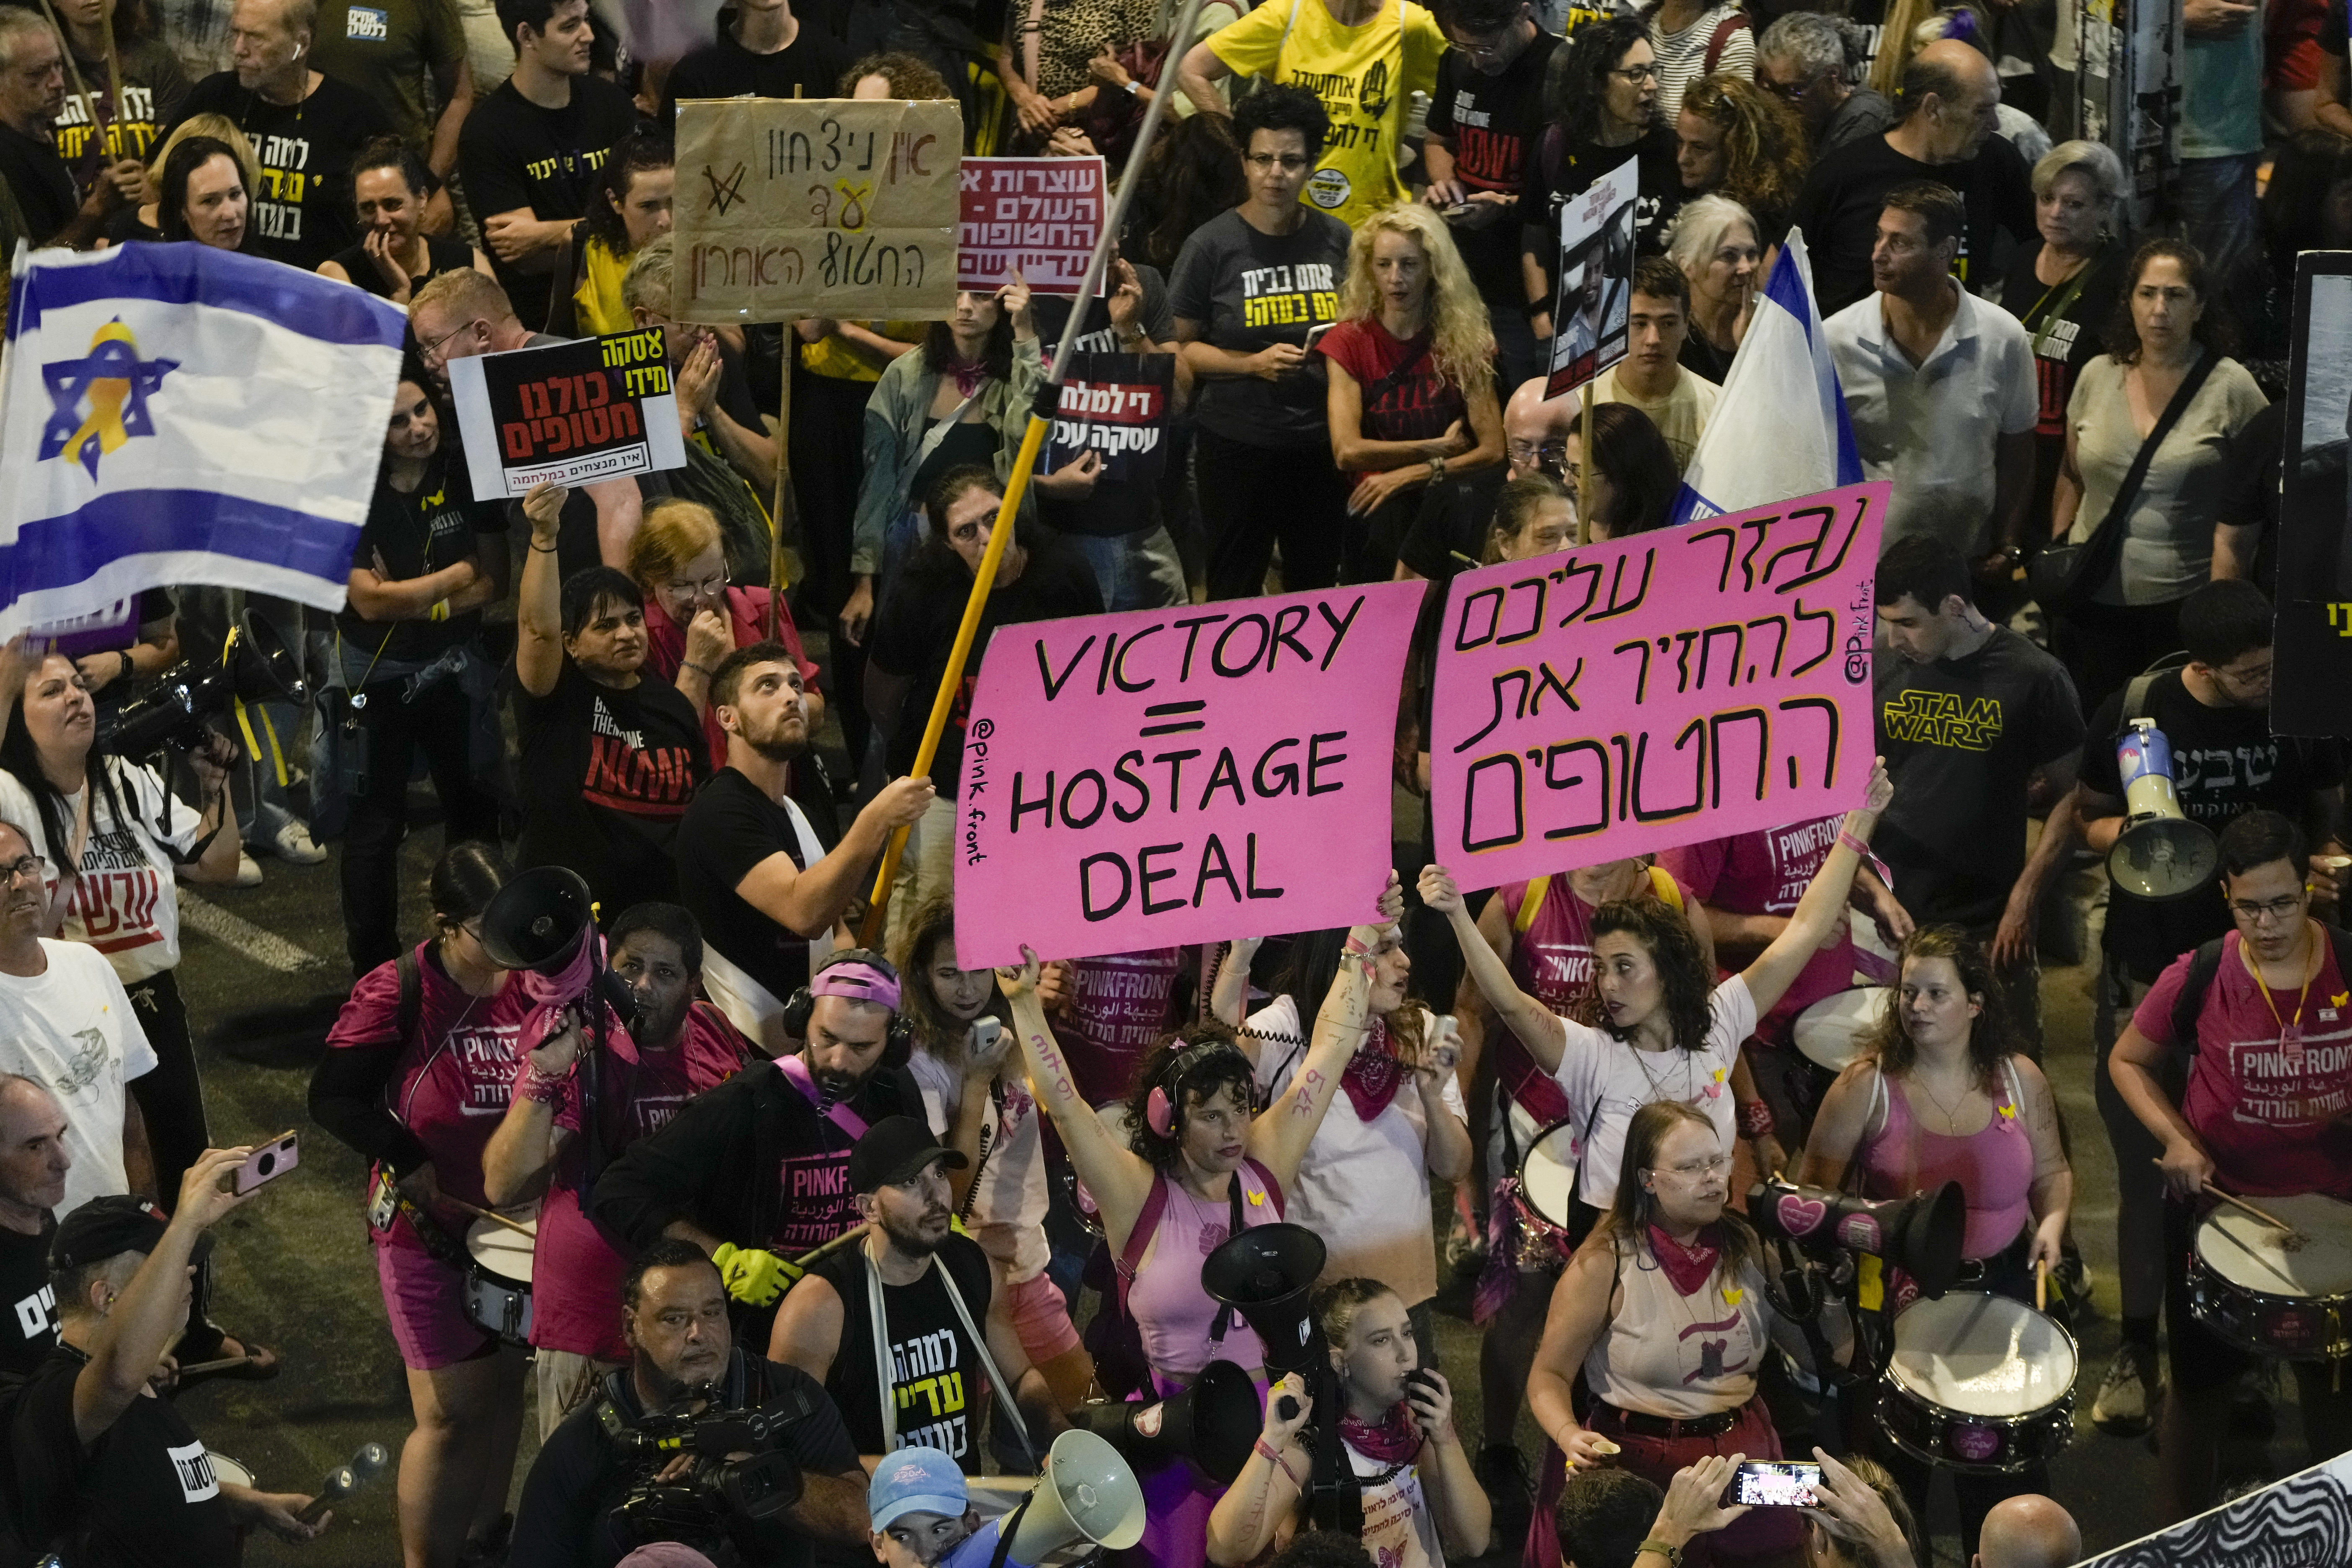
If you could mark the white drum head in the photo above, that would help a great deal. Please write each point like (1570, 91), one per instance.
(227, 1471)
(2258, 1256)
(503, 1252)
(1547, 1175)
(1981, 1355)
(1829, 1032)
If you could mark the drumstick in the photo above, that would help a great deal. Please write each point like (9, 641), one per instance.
(514, 1224)
(2041, 1284)
(2236, 1202)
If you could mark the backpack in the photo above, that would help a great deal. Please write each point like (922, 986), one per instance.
(2207, 964)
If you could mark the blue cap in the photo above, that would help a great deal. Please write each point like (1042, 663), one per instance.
(916, 1480)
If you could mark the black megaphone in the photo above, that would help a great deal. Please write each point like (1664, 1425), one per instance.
(1265, 1274)
(255, 666)
(1921, 1235)
(537, 919)
(1215, 1423)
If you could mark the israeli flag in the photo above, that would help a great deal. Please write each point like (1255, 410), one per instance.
(175, 414)
(1780, 429)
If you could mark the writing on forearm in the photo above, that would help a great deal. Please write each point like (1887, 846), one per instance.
(1311, 1084)
(1057, 1072)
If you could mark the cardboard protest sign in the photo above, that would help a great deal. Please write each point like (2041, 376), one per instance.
(1039, 217)
(1678, 685)
(826, 206)
(1179, 775)
(594, 408)
(1596, 279)
(1115, 404)
(2311, 692)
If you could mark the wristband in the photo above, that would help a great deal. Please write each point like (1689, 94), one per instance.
(703, 671)
(1275, 1456)
(1861, 850)
(128, 667)
(537, 1087)
(1755, 1119)
(542, 548)
(1671, 1554)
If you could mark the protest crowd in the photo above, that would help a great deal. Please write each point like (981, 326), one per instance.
(747, 1140)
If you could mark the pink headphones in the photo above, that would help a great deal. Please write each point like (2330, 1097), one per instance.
(1159, 1108)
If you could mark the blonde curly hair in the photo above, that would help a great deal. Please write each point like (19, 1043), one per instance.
(1461, 344)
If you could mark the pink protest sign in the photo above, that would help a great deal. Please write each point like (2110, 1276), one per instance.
(1685, 684)
(1039, 217)
(1171, 776)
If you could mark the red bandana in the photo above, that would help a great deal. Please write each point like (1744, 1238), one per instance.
(968, 377)
(1690, 1266)
(1374, 1075)
(1393, 1442)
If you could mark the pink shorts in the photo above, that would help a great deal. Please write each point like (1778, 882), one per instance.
(425, 1299)
(1041, 1316)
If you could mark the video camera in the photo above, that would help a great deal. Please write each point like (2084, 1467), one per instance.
(255, 666)
(739, 1477)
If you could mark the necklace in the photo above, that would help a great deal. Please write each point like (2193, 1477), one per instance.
(1657, 1085)
(1951, 1116)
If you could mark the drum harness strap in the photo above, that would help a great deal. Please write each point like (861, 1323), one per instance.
(407, 1014)
(877, 1311)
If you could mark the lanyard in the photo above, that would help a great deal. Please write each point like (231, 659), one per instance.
(2290, 1035)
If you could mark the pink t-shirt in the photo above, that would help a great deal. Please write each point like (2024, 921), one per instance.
(1994, 1167)
(575, 1272)
(1765, 873)
(1118, 1010)
(2270, 1117)
(455, 1076)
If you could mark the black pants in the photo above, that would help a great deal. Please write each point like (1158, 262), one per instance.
(171, 1098)
(828, 457)
(441, 722)
(1253, 496)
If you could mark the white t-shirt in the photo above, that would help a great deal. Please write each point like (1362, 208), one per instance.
(72, 1028)
(1598, 1068)
(1398, 1529)
(125, 905)
(1009, 1195)
(1364, 1186)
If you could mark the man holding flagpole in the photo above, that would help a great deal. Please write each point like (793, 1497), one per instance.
(32, 94)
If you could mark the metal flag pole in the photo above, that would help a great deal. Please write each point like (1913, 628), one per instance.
(1041, 420)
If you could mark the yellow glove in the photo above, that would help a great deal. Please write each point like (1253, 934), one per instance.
(752, 1275)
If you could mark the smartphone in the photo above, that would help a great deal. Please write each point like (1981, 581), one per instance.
(1318, 330)
(1777, 1483)
(265, 1164)
(1456, 210)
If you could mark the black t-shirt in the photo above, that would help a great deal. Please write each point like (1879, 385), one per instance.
(1839, 206)
(606, 775)
(1115, 508)
(566, 1517)
(29, 1333)
(142, 1496)
(1962, 736)
(937, 1384)
(1248, 290)
(731, 828)
(302, 211)
(40, 182)
(808, 66)
(915, 630)
(2064, 341)
(440, 256)
(515, 154)
(1550, 181)
(2250, 499)
(437, 524)
(1490, 122)
(2225, 763)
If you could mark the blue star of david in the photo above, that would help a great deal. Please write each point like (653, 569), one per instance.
(113, 413)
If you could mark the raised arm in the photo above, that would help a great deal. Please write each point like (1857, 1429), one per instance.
(1525, 1017)
(1120, 1179)
(539, 609)
(524, 1149)
(1816, 920)
(1279, 1137)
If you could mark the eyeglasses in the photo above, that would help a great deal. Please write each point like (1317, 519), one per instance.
(1528, 454)
(1266, 162)
(1699, 1170)
(431, 353)
(1787, 91)
(2275, 909)
(1637, 75)
(27, 865)
(698, 588)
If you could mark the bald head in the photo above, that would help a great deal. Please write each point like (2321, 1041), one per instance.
(1531, 422)
(1951, 103)
(2028, 1532)
(33, 1158)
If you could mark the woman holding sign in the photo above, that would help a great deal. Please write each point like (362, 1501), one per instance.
(1201, 1168)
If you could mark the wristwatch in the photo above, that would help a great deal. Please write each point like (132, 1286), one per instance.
(1134, 87)
(128, 667)
(1436, 468)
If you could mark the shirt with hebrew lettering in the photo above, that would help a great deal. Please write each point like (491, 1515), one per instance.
(142, 1494)
(302, 211)
(1962, 737)
(607, 774)
(516, 156)
(28, 1327)
(938, 1391)
(1245, 291)
(124, 903)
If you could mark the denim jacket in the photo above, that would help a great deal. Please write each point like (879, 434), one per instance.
(895, 423)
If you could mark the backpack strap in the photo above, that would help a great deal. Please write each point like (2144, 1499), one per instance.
(1665, 889)
(2202, 967)
(1530, 904)
(1553, 149)
(1274, 1187)
(412, 994)
(1721, 38)
(1146, 1223)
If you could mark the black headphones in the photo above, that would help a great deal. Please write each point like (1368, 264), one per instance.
(896, 1040)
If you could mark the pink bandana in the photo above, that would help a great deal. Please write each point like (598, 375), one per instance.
(1394, 1441)
(968, 377)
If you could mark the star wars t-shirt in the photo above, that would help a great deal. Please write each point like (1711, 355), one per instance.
(606, 775)
(302, 211)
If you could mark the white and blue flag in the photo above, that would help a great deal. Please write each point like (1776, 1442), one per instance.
(1780, 429)
(175, 414)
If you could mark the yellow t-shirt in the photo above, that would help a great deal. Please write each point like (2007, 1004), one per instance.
(832, 356)
(599, 306)
(1366, 77)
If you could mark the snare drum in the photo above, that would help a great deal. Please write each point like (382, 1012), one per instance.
(2250, 1290)
(497, 1286)
(1829, 1032)
(227, 1471)
(1547, 1191)
(1979, 1384)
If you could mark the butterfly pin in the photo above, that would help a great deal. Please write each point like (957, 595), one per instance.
(2009, 1111)
(2341, 997)
(1733, 1295)
(1257, 1197)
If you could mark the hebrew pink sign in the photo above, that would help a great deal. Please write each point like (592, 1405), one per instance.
(1179, 775)
(1685, 684)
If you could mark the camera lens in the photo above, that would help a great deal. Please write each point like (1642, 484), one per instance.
(266, 1165)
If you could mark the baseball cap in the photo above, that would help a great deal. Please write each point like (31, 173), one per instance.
(916, 1480)
(897, 1149)
(109, 1227)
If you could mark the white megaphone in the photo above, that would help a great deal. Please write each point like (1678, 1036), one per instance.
(1087, 1494)
(2161, 854)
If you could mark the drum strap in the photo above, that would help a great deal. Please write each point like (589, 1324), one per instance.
(2207, 963)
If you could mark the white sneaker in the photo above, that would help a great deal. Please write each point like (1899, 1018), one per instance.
(292, 843)
(2127, 1395)
(249, 871)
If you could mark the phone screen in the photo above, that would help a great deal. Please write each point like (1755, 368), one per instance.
(1782, 1483)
